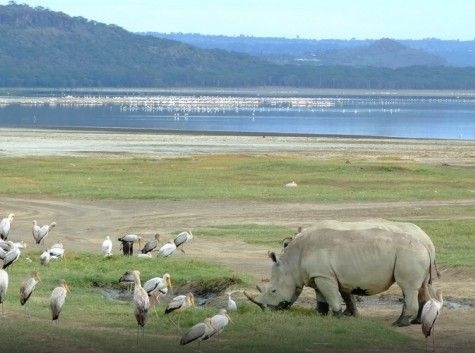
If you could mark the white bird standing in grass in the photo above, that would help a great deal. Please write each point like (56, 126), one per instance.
(5, 225)
(56, 253)
(232, 306)
(167, 249)
(141, 302)
(107, 246)
(179, 304)
(11, 256)
(429, 315)
(159, 284)
(207, 329)
(57, 299)
(27, 287)
(3, 286)
(40, 233)
(45, 258)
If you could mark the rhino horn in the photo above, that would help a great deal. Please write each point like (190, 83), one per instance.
(259, 288)
(253, 300)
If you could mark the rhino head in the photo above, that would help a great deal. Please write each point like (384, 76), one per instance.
(282, 290)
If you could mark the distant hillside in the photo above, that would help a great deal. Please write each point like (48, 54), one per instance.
(42, 48)
(333, 51)
(381, 53)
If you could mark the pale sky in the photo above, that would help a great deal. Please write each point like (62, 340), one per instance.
(309, 19)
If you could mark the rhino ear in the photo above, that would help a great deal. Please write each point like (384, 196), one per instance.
(272, 255)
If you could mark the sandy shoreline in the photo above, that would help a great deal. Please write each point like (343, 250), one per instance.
(32, 142)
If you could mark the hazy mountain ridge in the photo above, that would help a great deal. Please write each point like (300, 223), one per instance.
(334, 51)
(42, 48)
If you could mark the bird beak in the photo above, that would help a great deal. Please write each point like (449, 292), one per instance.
(169, 285)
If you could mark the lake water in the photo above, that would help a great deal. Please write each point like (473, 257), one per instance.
(410, 117)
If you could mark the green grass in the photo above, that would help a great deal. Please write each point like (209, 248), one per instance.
(91, 321)
(453, 240)
(234, 177)
(94, 322)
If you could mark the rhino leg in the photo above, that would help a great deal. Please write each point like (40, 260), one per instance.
(322, 306)
(409, 310)
(423, 297)
(350, 303)
(328, 289)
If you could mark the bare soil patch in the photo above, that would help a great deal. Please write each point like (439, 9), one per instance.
(82, 225)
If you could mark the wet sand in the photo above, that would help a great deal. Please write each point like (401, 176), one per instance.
(34, 142)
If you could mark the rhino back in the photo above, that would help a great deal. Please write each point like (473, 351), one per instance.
(360, 255)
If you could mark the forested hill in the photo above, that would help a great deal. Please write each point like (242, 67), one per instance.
(42, 48)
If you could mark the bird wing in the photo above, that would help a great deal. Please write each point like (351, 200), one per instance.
(175, 304)
(195, 332)
(152, 284)
(10, 257)
(429, 315)
(26, 289)
(167, 249)
(149, 246)
(57, 299)
(107, 246)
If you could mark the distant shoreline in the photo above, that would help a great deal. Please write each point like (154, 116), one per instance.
(254, 91)
(125, 143)
(101, 130)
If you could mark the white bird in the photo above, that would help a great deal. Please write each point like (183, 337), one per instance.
(107, 246)
(291, 184)
(141, 301)
(180, 303)
(429, 315)
(57, 299)
(3, 286)
(11, 256)
(28, 286)
(45, 258)
(20, 244)
(57, 245)
(40, 233)
(56, 253)
(232, 306)
(5, 225)
(167, 249)
(5, 246)
(181, 239)
(158, 284)
(207, 329)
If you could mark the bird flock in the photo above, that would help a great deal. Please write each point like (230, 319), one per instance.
(10, 252)
(145, 295)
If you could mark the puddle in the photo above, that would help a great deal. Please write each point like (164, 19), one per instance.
(126, 295)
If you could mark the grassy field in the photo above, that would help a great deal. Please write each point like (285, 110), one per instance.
(243, 177)
(95, 322)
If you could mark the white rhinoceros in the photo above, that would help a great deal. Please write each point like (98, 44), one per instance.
(345, 258)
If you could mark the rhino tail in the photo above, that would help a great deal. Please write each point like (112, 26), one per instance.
(433, 264)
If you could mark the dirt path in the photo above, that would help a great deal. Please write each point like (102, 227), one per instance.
(82, 225)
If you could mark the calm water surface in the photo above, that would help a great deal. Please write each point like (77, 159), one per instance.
(439, 118)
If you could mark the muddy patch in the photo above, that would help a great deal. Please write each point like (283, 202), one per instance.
(205, 291)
